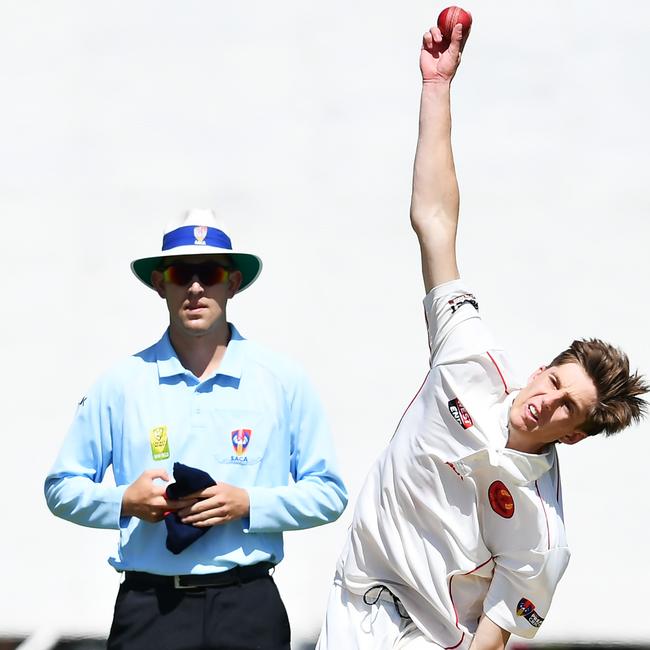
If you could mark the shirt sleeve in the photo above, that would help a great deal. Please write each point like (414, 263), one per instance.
(73, 488)
(316, 494)
(522, 589)
(454, 324)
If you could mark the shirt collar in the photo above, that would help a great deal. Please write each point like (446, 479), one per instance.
(504, 415)
(523, 468)
(233, 359)
(169, 364)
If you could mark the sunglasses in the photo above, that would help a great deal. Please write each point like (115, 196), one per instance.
(208, 273)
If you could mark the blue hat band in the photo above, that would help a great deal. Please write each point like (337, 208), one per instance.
(196, 236)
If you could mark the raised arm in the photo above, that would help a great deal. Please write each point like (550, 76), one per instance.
(435, 198)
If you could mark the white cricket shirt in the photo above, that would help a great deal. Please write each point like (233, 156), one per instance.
(452, 522)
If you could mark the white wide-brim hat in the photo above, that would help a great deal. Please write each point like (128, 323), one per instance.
(199, 233)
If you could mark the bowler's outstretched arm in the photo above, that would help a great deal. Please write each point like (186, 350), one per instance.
(435, 202)
(435, 197)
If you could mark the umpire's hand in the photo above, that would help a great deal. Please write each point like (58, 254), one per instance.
(216, 505)
(146, 500)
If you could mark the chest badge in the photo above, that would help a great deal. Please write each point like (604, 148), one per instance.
(460, 413)
(501, 500)
(159, 443)
(240, 439)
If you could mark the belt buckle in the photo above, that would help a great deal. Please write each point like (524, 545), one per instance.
(179, 585)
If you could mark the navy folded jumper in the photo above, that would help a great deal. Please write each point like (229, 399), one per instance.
(188, 480)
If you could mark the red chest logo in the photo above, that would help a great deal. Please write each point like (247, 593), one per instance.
(501, 500)
(460, 413)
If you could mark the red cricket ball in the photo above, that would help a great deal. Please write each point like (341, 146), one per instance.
(450, 17)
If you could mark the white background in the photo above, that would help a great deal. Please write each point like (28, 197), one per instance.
(297, 122)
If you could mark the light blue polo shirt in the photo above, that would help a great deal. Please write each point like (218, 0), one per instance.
(256, 423)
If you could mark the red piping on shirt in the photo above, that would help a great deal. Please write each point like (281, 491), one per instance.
(462, 478)
(409, 406)
(452, 599)
(548, 532)
(426, 320)
(496, 365)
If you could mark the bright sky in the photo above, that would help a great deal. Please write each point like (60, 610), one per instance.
(297, 122)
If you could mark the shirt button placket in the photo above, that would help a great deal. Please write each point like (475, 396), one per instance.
(197, 421)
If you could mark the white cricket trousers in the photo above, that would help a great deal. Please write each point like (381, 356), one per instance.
(351, 624)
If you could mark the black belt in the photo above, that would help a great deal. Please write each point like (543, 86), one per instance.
(234, 576)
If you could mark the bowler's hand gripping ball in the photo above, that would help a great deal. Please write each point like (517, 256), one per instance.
(450, 17)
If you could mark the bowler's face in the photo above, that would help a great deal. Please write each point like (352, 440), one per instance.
(197, 309)
(553, 406)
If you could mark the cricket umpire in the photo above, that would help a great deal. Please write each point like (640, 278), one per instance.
(458, 537)
(217, 446)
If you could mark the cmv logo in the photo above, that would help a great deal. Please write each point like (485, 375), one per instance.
(460, 413)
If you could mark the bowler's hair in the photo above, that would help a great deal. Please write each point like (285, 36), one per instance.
(619, 404)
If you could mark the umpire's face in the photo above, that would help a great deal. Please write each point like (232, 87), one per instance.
(196, 289)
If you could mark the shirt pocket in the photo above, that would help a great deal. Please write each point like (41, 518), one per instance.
(241, 436)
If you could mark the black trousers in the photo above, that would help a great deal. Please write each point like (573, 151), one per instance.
(246, 616)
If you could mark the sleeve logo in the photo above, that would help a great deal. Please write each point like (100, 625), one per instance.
(463, 299)
(526, 609)
(501, 500)
(460, 413)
